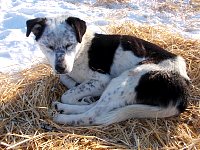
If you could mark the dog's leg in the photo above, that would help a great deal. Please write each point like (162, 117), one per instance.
(115, 108)
(71, 109)
(136, 111)
(88, 88)
(119, 93)
(110, 99)
(118, 103)
(67, 81)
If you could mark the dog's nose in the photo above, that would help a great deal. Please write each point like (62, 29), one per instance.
(60, 68)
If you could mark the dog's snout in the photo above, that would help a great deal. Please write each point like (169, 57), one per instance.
(60, 68)
(60, 65)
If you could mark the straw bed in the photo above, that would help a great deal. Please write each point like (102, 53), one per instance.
(25, 102)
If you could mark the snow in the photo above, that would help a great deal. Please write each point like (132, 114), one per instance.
(19, 52)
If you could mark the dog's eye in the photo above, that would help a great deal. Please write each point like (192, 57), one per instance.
(67, 46)
(51, 47)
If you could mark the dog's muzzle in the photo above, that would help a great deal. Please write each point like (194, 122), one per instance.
(60, 68)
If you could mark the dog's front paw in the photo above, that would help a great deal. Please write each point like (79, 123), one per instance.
(67, 81)
(58, 106)
(64, 119)
(58, 118)
(89, 99)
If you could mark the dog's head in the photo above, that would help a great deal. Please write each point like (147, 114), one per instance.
(58, 38)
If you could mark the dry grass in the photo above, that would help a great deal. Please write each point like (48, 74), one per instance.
(112, 1)
(178, 6)
(108, 3)
(196, 5)
(25, 99)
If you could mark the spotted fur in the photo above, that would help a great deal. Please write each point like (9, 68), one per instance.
(131, 77)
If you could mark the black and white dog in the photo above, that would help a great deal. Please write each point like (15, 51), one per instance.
(132, 77)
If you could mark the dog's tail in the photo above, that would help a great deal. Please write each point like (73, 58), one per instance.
(136, 111)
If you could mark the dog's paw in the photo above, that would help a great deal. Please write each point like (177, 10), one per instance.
(58, 107)
(67, 81)
(57, 118)
(88, 100)
(54, 105)
(63, 119)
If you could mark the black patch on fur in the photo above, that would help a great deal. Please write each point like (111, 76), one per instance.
(162, 88)
(90, 120)
(61, 111)
(79, 27)
(37, 32)
(56, 106)
(103, 48)
(142, 48)
(101, 52)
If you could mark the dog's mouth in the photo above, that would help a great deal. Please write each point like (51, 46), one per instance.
(63, 68)
(60, 69)
(61, 72)
(63, 63)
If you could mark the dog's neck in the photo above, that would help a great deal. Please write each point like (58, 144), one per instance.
(81, 67)
(83, 47)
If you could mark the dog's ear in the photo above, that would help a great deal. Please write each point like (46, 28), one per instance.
(79, 26)
(36, 26)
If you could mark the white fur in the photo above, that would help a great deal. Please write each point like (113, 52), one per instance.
(67, 81)
(136, 111)
(123, 60)
(72, 96)
(81, 71)
(72, 109)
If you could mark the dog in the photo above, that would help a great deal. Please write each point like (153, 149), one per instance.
(131, 77)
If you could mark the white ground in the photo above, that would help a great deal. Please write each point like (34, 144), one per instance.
(19, 52)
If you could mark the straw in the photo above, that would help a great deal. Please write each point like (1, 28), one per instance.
(26, 96)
